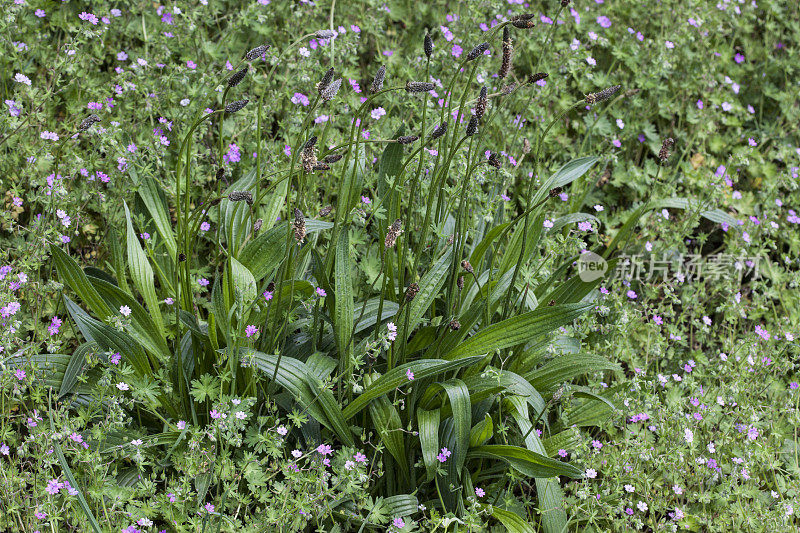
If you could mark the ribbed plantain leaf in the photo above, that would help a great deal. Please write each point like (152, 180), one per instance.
(525, 461)
(153, 197)
(548, 490)
(141, 326)
(428, 422)
(386, 421)
(481, 432)
(299, 380)
(142, 274)
(111, 339)
(343, 315)
(421, 368)
(511, 521)
(565, 367)
(518, 330)
(71, 274)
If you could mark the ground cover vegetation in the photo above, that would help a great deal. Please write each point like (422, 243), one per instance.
(399, 266)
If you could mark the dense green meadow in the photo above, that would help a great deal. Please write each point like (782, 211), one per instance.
(355, 266)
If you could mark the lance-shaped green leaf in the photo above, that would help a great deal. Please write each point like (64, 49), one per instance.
(299, 380)
(548, 491)
(481, 432)
(525, 461)
(153, 197)
(386, 420)
(263, 254)
(564, 176)
(518, 330)
(428, 422)
(429, 286)
(142, 273)
(71, 274)
(140, 325)
(461, 411)
(422, 368)
(109, 338)
(511, 521)
(244, 284)
(565, 367)
(343, 314)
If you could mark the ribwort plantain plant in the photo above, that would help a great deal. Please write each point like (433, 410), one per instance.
(433, 360)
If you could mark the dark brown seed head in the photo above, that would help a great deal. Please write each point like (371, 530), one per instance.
(88, 122)
(238, 105)
(308, 155)
(460, 283)
(220, 173)
(483, 99)
(256, 52)
(325, 211)
(508, 89)
(257, 225)
(324, 34)
(508, 49)
(411, 292)
(477, 51)
(605, 94)
(271, 286)
(393, 232)
(551, 303)
(455, 325)
(440, 130)
(494, 160)
(666, 148)
(419, 86)
(299, 226)
(181, 257)
(427, 45)
(237, 78)
(377, 81)
(330, 91)
(333, 158)
(472, 127)
(241, 196)
(325, 81)
(321, 166)
(564, 3)
(407, 139)
(526, 146)
(539, 76)
(555, 191)
(467, 266)
(523, 17)
(523, 24)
